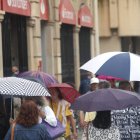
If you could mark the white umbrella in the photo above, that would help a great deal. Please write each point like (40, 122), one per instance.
(123, 65)
(22, 87)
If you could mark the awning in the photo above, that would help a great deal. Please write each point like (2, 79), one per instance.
(44, 9)
(66, 12)
(20, 7)
(85, 17)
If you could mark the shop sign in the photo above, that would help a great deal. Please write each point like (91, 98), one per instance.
(44, 9)
(20, 7)
(66, 12)
(85, 17)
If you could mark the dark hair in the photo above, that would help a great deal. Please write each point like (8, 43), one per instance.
(102, 120)
(104, 84)
(37, 99)
(28, 115)
(124, 85)
(59, 93)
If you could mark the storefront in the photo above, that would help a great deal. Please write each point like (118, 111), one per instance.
(85, 20)
(14, 35)
(68, 19)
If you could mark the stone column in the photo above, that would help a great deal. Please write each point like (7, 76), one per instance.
(76, 56)
(30, 43)
(48, 47)
(1, 55)
(92, 43)
(57, 53)
(96, 15)
(35, 13)
(57, 46)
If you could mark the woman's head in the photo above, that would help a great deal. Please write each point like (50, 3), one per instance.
(37, 99)
(102, 120)
(125, 85)
(55, 94)
(28, 115)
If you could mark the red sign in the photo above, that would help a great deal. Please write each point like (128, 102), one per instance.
(44, 9)
(85, 17)
(66, 12)
(20, 7)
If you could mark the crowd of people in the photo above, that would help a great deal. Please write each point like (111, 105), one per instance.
(30, 112)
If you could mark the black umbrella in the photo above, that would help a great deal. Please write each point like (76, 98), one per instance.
(106, 99)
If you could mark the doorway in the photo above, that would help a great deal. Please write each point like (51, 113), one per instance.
(14, 42)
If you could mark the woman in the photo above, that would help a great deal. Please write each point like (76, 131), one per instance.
(27, 127)
(46, 112)
(101, 129)
(62, 112)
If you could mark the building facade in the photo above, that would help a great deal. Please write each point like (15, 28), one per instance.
(58, 36)
(119, 28)
(55, 36)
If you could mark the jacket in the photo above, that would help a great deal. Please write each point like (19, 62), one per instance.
(36, 132)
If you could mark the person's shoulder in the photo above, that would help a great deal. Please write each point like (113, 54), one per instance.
(40, 125)
(64, 102)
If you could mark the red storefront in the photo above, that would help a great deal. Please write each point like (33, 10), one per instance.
(67, 17)
(14, 35)
(85, 20)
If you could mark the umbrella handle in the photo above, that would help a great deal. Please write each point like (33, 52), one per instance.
(11, 106)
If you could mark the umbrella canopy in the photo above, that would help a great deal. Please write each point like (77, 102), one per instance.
(108, 78)
(117, 64)
(67, 91)
(42, 76)
(22, 87)
(106, 99)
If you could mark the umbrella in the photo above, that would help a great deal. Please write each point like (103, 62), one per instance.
(66, 90)
(117, 64)
(106, 99)
(42, 76)
(108, 78)
(23, 87)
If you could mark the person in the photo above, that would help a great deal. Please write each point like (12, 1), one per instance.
(46, 112)
(85, 83)
(89, 116)
(127, 119)
(94, 82)
(4, 119)
(101, 127)
(63, 113)
(15, 71)
(26, 124)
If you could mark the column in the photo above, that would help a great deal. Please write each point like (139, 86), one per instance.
(57, 46)
(57, 53)
(48, 47)
(97, 44)
(35, 13)
(76, 56)
(30, 43)
(1, 55)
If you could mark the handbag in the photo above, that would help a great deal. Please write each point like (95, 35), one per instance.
(54, 132)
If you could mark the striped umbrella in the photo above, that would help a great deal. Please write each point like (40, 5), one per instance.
(45, 78)
(124, 65)
(22, 87)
